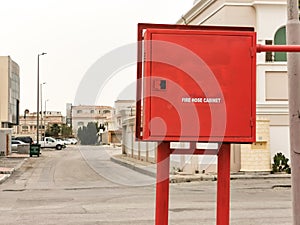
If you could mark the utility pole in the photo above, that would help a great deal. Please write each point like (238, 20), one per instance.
(293, 63)
(38, 97)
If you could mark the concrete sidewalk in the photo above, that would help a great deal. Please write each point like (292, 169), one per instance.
(150, 170)
(9, 164)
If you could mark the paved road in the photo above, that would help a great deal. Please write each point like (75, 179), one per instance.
(81, 186)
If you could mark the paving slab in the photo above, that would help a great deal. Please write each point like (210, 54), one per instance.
(9, 164)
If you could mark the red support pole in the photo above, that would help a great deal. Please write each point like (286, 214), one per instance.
(223, 186)
(162, 184)
(277, 48)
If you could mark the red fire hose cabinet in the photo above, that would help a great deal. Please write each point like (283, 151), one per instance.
(197, 85)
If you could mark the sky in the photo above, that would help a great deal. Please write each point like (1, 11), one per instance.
(75, 34)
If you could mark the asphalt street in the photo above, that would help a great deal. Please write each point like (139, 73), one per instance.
(80, 185)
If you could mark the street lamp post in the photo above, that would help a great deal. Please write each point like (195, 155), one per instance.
(41, 86)
(37, 101)
(45, 117)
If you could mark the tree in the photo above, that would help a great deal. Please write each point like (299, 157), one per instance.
(88, 134)
(66, 131)
(53, 130)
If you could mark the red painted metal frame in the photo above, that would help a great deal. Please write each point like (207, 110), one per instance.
(241, 111)
(140, 30)
(223, 186)
(193, 152)
(164, 151)
(163, 180)
(162, 184)
(277, 48)
(143, 26)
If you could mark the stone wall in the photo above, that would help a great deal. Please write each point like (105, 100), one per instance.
(256, 156)
(5, 141)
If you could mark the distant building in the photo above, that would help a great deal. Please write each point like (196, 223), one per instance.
(28, 123)
(83, 114)
(123, 109)
(110, 118)
(69, 114)
(9, 92)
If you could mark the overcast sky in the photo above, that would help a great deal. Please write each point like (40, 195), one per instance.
(74, 34)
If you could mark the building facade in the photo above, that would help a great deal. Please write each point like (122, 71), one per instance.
(9, 92)
(27, 126)
(268, 17)
(83, 114)
(123, 109)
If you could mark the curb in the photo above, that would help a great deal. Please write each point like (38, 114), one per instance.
(260, 176)
(4, 177)
(191, 178)
(173, 178)
(5, 172)
(133, 167)
(197, 177)
(19, 165)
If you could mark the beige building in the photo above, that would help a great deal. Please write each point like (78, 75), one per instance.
(9, 92)
(268, 17)
(123, 109)
(27, 126)
(83, 114)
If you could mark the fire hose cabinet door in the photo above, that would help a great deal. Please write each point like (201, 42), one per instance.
(199, 85)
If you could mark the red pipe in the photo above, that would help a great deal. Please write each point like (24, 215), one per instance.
(223, 185)
(162, 184)
(277, 48)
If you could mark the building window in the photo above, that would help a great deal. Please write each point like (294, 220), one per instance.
(280, 39)
(106, 111)
(92, 111)
(79, 111)
(24, 128)
(269, 55)
(14, 82)
(276, 86)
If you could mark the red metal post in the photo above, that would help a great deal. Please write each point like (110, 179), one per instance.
(278, 48)
(139, 83)
(162, 184)
(223, 186)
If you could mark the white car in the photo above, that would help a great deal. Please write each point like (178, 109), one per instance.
(49, 142)
(73, 141)
(16, 143)
(67, 141)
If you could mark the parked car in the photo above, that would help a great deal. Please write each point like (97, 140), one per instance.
(73, 141)
(49, 142)
(26, 139)
(67, 141)
(16, 143)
